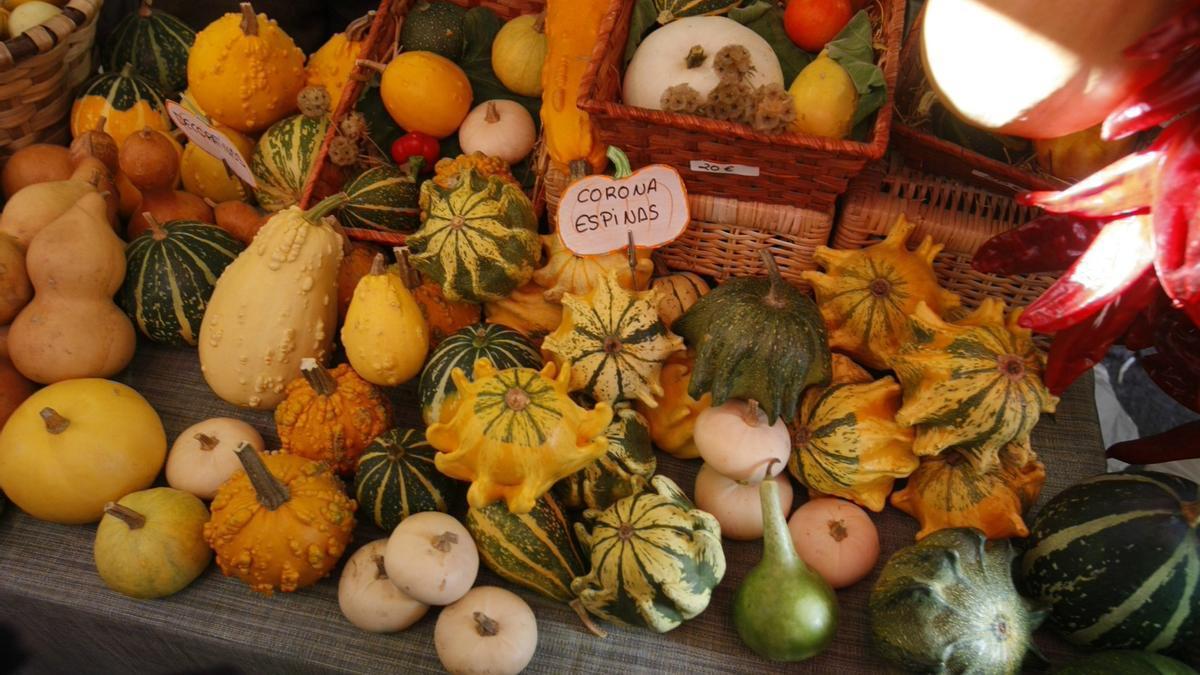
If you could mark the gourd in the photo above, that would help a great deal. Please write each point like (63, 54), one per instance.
(282, 523)
(527, 311)
(15, 289)
(866, 296)
(172, 270)
(240, 220)
(36, 206)
(974, 384)
(206, 176)
(673, 420)
(514, 433)
(536, 550)
(203, 458)
(150, 544)
(32, 164)
(149, 160)
(498, 128)
(357, 261)
(1125, 662)
(1114, 557)
(624, 469)
(385, 335)
(331, 415)
(426, 92)
(835, 538)
(490, 630)
(445, 172)
(71, 329)
(125, 101)
(681, 52)
(823, 93)
(51, 463)
(369, 600)
(775, 349)
(284, 157)
(384, 198)
(244, 71)
(503, 347)
(670, 10)
(396, 477)
(612, 342)
(519, 54)
(736, 440)
(948, 604)
(677, 292)
(566, 272)
(478, 238)
(435, 27)
(14, 388)
(94, 144)
(287, 281)
(654, 559)
(331, 65)
(846, 442)
(156, 43)
(445, 317)
(736, 505)
(572, 31)
(947, 491)
(432, 558)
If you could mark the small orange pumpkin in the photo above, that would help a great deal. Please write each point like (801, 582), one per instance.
(445, 317)
(355, 265)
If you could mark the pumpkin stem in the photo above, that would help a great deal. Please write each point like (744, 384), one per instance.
(207, 443)
(837, 530)
(325, 207)
(144, 9)
(578, 169)
(1191, 513)
(100, 123)
(411, 277)
(359, 27)
(621, 166)
(577, 605)
(539, 24)
(380, 570)
(132, 518)
(378, 265)
(156, 229)
(492, 114)
(775, 295)
(445, 541)
(750, 414)
(696, 55)
(55, 423)
(249, 20)
(486, 625)
(516, 399)
(127, 70)
(318, 378)
(412, 168)
(373, 65)
(270, 492)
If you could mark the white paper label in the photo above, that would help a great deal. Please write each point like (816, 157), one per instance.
(597, 213)
(704, 166)
(211, 141)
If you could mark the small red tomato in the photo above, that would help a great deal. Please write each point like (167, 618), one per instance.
(812, 23)
(416, 144)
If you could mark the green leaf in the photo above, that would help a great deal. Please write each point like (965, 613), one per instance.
(644, 19)
(480, 26)
(854, 51)
(766, 19)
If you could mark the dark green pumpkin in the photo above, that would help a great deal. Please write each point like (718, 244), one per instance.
(396, 478)
(670, 10)
(170, 272)
(624, 469)
(503, 346)
(384, 198)
(157, 45)
(1117, 558)
(435, 27)
(1125, 662)
(756, 339)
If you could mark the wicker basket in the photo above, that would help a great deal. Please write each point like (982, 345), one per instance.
(39, 72)
(795, 169)
(960, 216)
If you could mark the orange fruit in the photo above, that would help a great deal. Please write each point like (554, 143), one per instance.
(812, 23)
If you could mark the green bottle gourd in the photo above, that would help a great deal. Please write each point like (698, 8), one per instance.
(783, 610)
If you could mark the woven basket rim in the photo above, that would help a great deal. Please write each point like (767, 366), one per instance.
(16, 50)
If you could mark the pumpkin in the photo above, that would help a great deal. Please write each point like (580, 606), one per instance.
(202, 457)
(280, 524)
(670, 10)
(244, 71)
(156, 43)
(478, 238)
(677, 292)
(835, 538)
(426, 92)
(384, 198)
(385, 335)
(37, 163)
(736, 440)
(866, 295)
(444, 317)
(737, 505)
(126, 102)
(946, 491)
(396, 478)
(673, 420)
(490, 630)
(1125, 662)
(514, 433)
(612, 342)
(498, 128)
(356, 264)
(527, 311)
(206, 176)
(756, 339)
(150, 162)
(572, 31)
(171, 272)
(624, 469)
(566, 272)
(53, 468)
(331, 415)
(445, 172)
(369, 600)
(846, 442)
(519, 54)
(283, 159)
(655, 559)
(1115, 558)
(150, 544)
(432, 558)
(331, 65)
(435, 27)
(503, 347)
(15, 289)
(287, 283)
(947, 604)
(974, 384)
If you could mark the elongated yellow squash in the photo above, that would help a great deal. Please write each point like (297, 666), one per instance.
(385, 335)
(572, 30)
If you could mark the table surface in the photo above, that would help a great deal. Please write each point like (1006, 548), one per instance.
(49, 589)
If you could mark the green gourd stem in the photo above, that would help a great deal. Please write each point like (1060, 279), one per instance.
(325, 207)
(485, 625)
(774, 296)
(55, 423)
(380, 570)
(412, 168)
(318, 378)
(127, 70)
(207, 443)
(777, 540)
(621, 166)
(249, 20)
(270, 492)
(133, 519)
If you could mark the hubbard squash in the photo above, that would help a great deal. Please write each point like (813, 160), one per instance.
(385, 336)
(124, 100)
(566, 272)
(673, 419)
(526, 310)
(15, 289)
(331, 65)
(572, 30)
(14, 388)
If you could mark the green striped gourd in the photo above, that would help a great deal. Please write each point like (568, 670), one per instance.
(669, 10)
(157, 45)
(384, 198)
(172, 270)
(503, 346)
(125, 101)
(655, 559)
(1117, 558)
(1125, 662)
(623, 470)
(284, 157)
(396, 478)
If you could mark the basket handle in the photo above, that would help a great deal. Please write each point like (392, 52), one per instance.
(43, 38)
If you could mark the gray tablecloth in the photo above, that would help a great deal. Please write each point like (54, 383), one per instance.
(70, 622)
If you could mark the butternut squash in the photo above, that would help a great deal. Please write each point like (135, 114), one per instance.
(15, 290)
(572, 30)
(38, 205)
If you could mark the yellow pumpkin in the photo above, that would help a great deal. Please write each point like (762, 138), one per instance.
(244, 71)
(673, 419)
(527, 311)
(385, 334)
(425, 92)
(331, 65)
(519, 53)
(206, 176)
(566, 272)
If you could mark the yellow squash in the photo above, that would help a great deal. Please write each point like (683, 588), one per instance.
(385, 335)
(673, 419)
(572, 30)
(206, 176)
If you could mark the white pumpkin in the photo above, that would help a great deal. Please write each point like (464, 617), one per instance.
(836, 538)
(736, 440)
(432, 558)
(498, 128)
(490, 630)
(368, 598)
(737, 506)
(682, 52)
(203, 457)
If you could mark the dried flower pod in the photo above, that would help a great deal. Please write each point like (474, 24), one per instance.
(343, 151)
(681, 98)
(774, 110)
(733, 63)
(354, 126)
(314, 101)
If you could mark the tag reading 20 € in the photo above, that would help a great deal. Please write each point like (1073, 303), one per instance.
(597, 213)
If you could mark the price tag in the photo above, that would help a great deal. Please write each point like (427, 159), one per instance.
(211, 141)
(602, 214)
(704, 166)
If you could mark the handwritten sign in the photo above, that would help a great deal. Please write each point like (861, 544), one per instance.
(211, 141)
(597, 214)
(704, 166)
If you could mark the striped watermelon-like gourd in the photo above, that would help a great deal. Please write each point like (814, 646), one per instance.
(283, 158)
(157, 45)
(623, 470)
(384, 198)
(171, 272)
(126, 101)
(669, 10)
(1117, 558)
(396, 478)
(503, 346)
